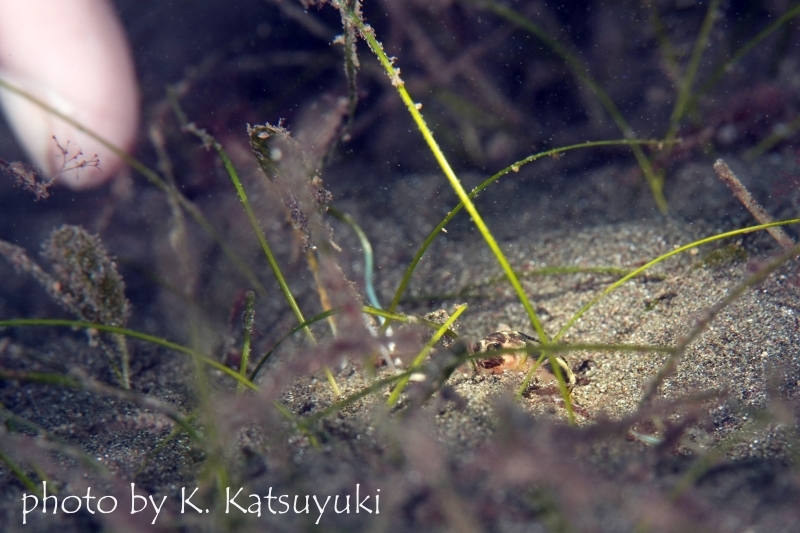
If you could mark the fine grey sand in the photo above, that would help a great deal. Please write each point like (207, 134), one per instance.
(745, 363)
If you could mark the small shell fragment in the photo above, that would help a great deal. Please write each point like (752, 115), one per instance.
(519, 361)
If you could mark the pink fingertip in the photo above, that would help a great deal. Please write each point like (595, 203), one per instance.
(74, 56)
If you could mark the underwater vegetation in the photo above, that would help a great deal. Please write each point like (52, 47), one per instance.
(273, 331)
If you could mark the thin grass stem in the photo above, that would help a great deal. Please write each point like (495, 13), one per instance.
(369, 35)
(57, 322)
(672, 361)
(324, 300)
(580, 71)
(249, 316)
(668, 51)
(685, 89)
(19, 473)
(741, 52)
(366, 391)
(162, 443)
(298, 327)
(248, 209)
(148, 174)
(398, 389)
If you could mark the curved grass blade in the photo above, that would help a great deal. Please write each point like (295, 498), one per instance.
(511, 168)
(369, 267)
(471, 290)
(18, 472)
(298, 327)
(661, 258)
(672, 361)
(580, 71)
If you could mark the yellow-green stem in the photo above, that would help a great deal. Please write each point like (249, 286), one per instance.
(57, 322)
(398, 389)
(661, 258)
(368, 34)
(513, 168)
